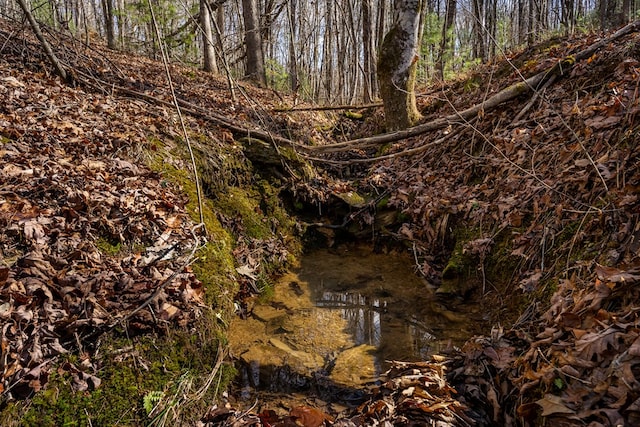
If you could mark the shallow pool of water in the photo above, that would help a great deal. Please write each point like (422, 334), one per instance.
(334, 321)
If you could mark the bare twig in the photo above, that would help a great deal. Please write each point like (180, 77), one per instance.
(45, 44)
(165, 61)
(328, 108)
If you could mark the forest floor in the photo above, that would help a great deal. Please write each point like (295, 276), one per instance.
(532, 208)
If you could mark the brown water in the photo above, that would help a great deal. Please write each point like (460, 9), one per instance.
(335, 320)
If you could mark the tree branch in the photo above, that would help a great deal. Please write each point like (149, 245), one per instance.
(45, 44)
(328, 107)
(531, 84)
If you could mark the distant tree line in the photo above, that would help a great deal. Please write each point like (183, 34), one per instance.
(323, 50)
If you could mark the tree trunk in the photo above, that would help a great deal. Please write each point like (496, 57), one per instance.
(479, 30)
(626, 11)
(253, 41)
(369, 63)
(293, 57)
(109, 23)
(397, 66)
(208, 49)
(447, 28)
(45, 44)
(491, 21)
(327, 54)
(568, 16)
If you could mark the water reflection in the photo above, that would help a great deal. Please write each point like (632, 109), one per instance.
(335, 320)
(369, 321)
(383, 303)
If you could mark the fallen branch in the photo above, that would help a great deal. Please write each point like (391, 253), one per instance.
(193, 110)
(408, 152)
(328, 108)
(531, 84)
(45, 44)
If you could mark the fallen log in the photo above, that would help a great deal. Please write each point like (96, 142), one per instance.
(531, 84)
(328, 108)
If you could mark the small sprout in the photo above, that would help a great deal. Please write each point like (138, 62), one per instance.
(151, 399)
(558, 383)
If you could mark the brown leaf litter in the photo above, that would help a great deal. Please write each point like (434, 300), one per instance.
(67, 196)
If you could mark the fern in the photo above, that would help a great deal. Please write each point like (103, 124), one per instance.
(151, 399)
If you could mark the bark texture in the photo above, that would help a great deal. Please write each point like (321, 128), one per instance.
(397, 66)
(253, 41)
(208, 49)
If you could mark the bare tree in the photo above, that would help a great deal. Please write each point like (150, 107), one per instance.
(447, 36)
(253, 42)
(397, 65)
(208, 47)
(108, 10)
(368, 57)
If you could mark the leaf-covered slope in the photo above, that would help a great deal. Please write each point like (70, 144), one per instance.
(558, 171)
(550, 182)
(87, 235)
(98, 214)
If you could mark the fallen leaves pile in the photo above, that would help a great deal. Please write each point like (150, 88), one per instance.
(412, 393)
(87, 237)
(558, 171)
(577, 365)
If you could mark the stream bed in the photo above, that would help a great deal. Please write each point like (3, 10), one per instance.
(334, 322)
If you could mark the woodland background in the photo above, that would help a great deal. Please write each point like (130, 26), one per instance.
(322, 50)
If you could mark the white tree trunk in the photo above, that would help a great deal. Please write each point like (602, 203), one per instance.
(397, 65)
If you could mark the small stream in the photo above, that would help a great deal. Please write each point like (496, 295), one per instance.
(334, 321)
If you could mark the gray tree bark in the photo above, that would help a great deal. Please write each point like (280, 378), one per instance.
(397, 66)
(369, 61)
(109, 23)
(449, 19)
(208, 49)
(253, 42)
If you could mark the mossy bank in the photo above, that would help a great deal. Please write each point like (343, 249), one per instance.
(173, 377)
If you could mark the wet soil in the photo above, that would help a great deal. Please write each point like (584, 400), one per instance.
(333, 324)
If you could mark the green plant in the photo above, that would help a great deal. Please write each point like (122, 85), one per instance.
(151, 400)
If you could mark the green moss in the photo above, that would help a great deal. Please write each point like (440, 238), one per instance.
(215, 261)
(245, 205)
(353, 115)
(302, 167)
(471, 84)
(160, 366)
(108, 247)
(383, 202)
(352, 199)
(458, 275)
(131, 369)
(501, 264)
(11, 414)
